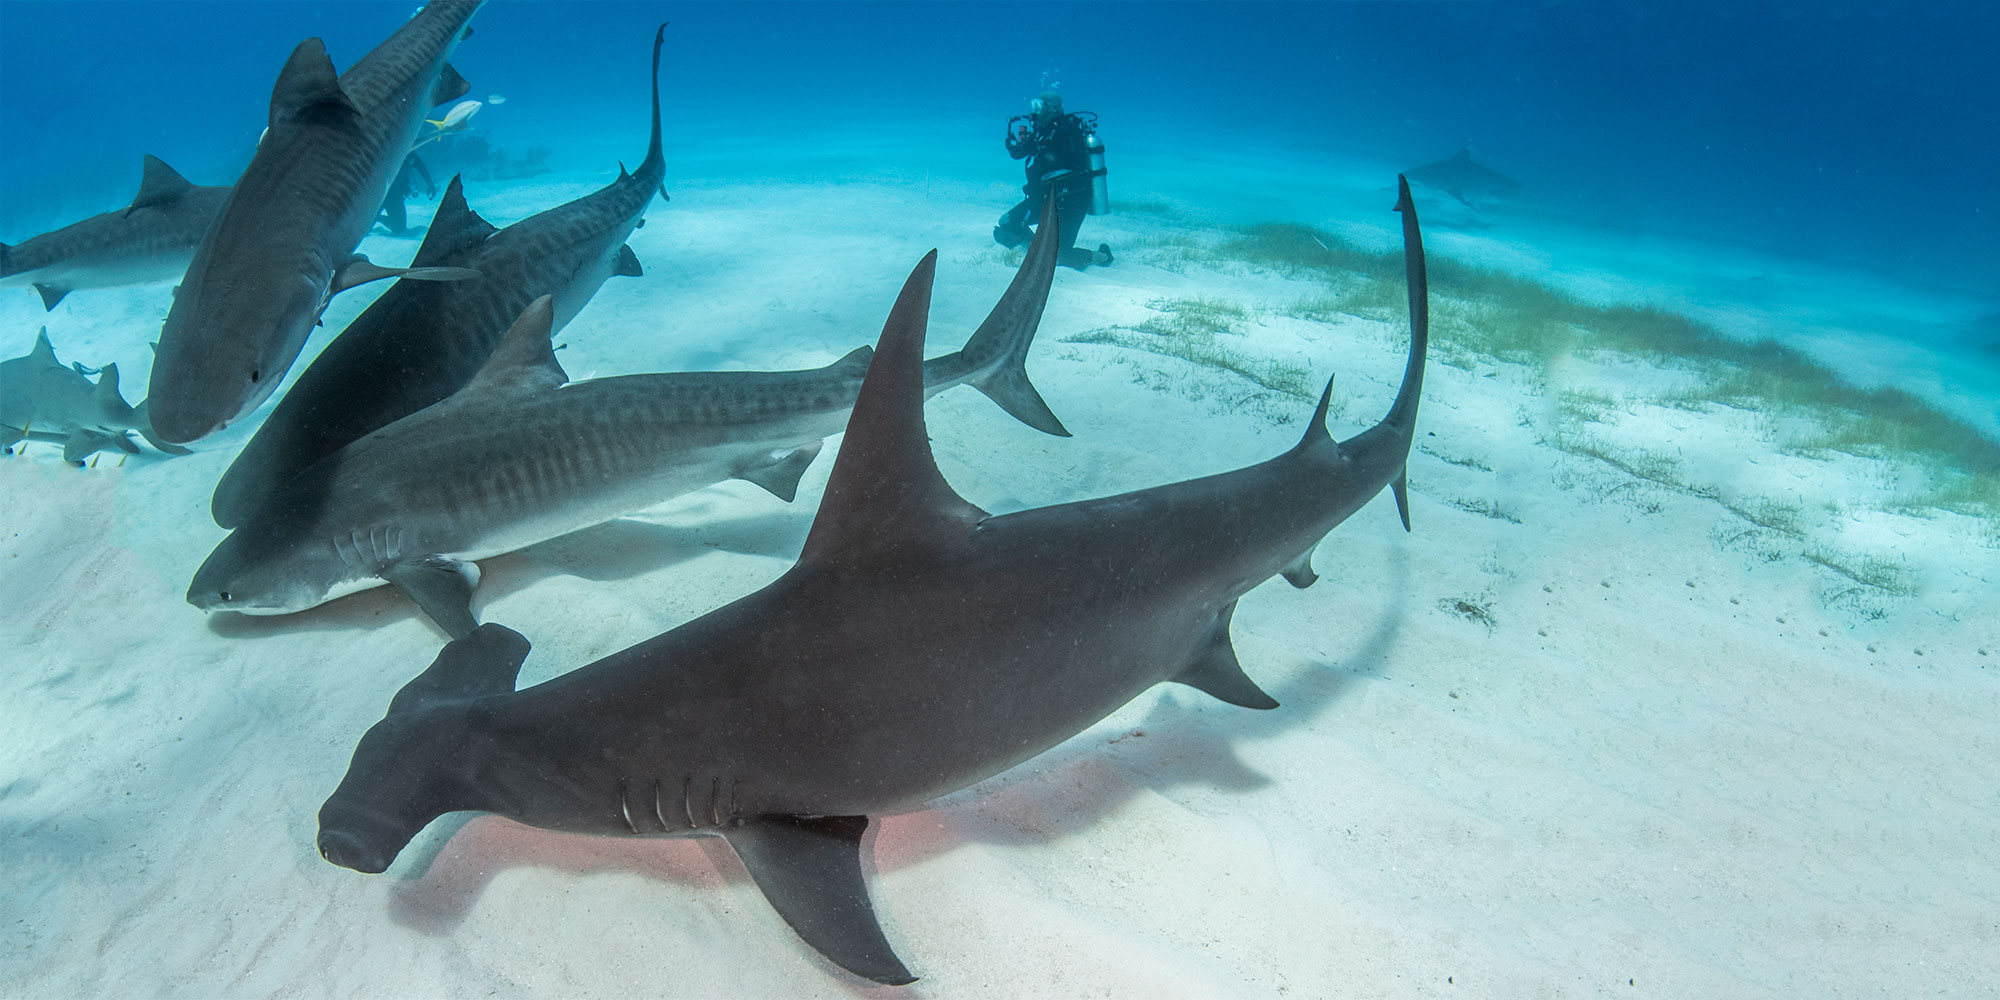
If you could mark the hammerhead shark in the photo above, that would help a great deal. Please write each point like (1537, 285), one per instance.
(285, 240)
(149, 240)
(421, 341)
(1463, 179)
(518, 457)
(918, 646)
(42, 399)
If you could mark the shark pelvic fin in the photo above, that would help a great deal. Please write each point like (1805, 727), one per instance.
(450, 86)
(485, 661)
(1401, 487)
(456, 230)
(159, 184)
(810, 870)
(442, 587)
(524, 358)
(886, 491)
(1215, 670)
(628, 265)
(781, 476)
(50, 295)
(308, 86)
(1299, 572)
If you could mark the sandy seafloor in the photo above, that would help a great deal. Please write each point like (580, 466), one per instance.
(1679, 760)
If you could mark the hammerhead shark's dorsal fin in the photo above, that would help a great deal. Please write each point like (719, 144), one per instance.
(1216, 671)
(455, 229)
(781, 475)
(628, 265)
(159, 184)
(886, 491)
(524, 359)
(450, 86)
(485, 661)
(810, 870)
(308, 86)
(44, 352)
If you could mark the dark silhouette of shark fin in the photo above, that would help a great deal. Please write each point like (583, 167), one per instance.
(456, 230)
(886, 491)
(781, 477)
(628, 265)
(50, 295)
(485, 661)
(810, 870)
(1215, 670)
(308, 86)
(159, 184)
(450, 86)
(1010, 328)
(442, 587)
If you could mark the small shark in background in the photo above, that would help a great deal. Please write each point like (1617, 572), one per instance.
(150, 240)
(917, 647)
(285, 240)
(518, 457)
(421, 341)
(1463, 179)
(42, 399)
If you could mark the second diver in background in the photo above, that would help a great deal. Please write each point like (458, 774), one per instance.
(1062, 151)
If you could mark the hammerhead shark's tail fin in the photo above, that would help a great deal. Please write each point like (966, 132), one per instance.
(1403, 414)
(994, 358)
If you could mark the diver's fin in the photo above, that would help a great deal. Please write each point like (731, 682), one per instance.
(810, 870)
(442, 587)
(1216, 671)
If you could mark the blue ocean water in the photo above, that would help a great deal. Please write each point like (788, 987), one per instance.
(1854, 133)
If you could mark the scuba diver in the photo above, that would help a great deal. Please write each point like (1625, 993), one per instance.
(1061, 150)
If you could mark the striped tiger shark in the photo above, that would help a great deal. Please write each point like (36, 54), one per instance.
(918, 646)
(421, 341)
(518, 456)
(284, 241)
(149, 240)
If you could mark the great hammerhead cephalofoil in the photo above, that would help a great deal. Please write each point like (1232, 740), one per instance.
(917, 647)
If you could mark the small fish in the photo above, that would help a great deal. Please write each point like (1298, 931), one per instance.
(496, 99)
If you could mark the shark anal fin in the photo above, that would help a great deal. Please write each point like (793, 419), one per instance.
(442, 587)
(810, 870)
(781, 476)
(1216, 671)
(628, 263)
(1299, 572)
(484, 661)
(50, 295)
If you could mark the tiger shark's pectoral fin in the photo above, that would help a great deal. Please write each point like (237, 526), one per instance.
(810, 870)
(359, 270)
(1216, 671)
(781, 475)
(442, 587)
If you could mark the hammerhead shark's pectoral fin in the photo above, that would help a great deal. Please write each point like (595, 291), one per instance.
(1216, 671)
(442, 587)
(781, 475)
(810, 870)
(50, 295)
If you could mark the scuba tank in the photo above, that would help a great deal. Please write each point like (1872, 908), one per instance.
(1100, 198)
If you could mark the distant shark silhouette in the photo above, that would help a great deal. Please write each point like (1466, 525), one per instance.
(42, 399)
(150, 240)
(518, 457)
(918, 646)
(421, 341)
(285, 240)
(1463, 179)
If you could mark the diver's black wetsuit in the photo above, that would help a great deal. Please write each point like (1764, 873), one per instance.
(1057, 146)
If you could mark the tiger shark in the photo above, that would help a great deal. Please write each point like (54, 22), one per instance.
(1463, 179)
(518, 457)
(422, 341)
(285, 239)
(918, 646)
(44, 400)
(149, 240)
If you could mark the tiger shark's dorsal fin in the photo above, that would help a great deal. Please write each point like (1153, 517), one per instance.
(455, 229)
(886, 491)
(308, 86)
(524, 359)
(159, 184)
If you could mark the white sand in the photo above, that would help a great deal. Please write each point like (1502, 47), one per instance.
(1680, 760)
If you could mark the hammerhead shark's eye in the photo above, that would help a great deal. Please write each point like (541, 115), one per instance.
(225, 596)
